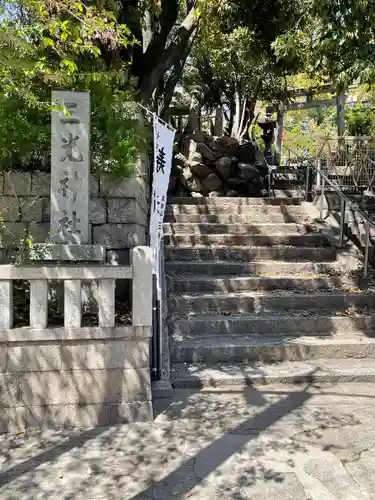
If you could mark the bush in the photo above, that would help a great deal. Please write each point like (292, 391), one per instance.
(360, 120)
(117, 133)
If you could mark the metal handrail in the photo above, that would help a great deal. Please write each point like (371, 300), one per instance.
(345, 201)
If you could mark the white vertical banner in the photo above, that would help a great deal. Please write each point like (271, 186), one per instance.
(163, 152)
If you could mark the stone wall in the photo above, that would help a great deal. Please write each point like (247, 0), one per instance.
(83, 379)
(118, 211)
(76, 376)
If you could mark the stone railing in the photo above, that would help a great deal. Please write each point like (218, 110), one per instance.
(73, 374)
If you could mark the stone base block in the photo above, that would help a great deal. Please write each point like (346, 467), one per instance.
(19, 418)
(162, 389)
(67, 252)
(72, 379)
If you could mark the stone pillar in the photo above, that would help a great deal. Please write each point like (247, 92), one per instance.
(38, 303)
(70, 168)
(218, 128)
(279, 133)
(6, 303)
(340, 99)
(142, 286)
(72, 303)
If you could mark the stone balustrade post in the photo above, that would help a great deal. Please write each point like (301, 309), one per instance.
(142, 286)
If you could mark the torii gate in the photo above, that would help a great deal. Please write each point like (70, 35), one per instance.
(339, 101)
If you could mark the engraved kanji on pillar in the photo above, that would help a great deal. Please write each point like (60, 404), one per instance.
(70, 168)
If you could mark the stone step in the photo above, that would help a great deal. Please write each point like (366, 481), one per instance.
(285, 175)
(230, 283)
(215, 240)
(232, 374)
(265, 228)
(240, 219)
(260, 268)
(285, 197)
(246, 254)
(232, 349)
(232, 208)
(292, 323)
(288, 193)
(288, 185)
(260, 303)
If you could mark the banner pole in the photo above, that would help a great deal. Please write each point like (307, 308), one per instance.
(155, 368)
(163, 152)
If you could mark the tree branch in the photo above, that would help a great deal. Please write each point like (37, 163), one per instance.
(167, 20)
(170, 56)
(176, 74)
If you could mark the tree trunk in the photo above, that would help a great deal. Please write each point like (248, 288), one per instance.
(169, 56)
(237, 113)
(248, 115)
(175, 77)
(146, 31)
(232, 111)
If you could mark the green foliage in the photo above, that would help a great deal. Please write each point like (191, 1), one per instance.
(233, 51)
(304, 127)
(53, 41)
(334, 39)
(360, 120)
(118, 134)
(52, 44)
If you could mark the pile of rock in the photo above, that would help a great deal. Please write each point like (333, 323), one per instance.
(217, 166)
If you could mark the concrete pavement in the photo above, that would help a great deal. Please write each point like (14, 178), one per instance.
(294, 442)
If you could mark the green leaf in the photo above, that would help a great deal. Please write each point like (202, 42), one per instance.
(48, 42)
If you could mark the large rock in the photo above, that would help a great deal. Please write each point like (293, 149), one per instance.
(190, 181)
(212, 182)
(187, 174)
(197, 136)
(227, 145)
(197, 157)
(180, 160)
(259, 156)
(247, 153)
(200, 169)
(194, 185)
(172, 184)
(189, 147)
(237, 184)
(231, 193)
(224, 167)
(206, 152)
(190, 143)
(246, 171)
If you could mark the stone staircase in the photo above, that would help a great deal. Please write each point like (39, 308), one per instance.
(257, 292)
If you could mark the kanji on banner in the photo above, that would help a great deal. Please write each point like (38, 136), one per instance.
(163, 151)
